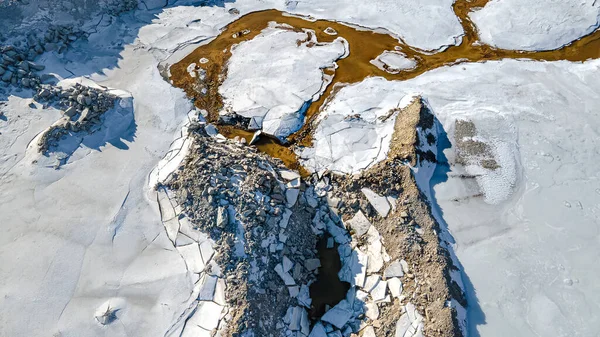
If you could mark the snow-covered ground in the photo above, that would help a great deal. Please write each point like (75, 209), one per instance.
(527, 244)
(276, 88)
(90, 232)
(535, 24)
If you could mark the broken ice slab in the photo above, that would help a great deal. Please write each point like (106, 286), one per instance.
(393, 270)
(369, 332)
(291, 196)
(207, 290)
(372, 311)
(304, 296)
(379, 203)
(359, 224)
(395, 286)
(288, 280)
(289, 175)
(339, 315)
(379, 292)
(192, 258)
(318, 330)
(285, 218)
(207, 315)
(287, 264)
(312, 264)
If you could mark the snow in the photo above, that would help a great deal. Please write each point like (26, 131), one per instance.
(354, 130)
(535, 24)
(536, 222)
(393, 62)
(426, 24)
(275, 88)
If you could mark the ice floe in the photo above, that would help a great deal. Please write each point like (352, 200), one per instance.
(393, 62)
(275, 88)
(535, 24)
(354, 130)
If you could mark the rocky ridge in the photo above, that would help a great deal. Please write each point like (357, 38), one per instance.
(263, 223)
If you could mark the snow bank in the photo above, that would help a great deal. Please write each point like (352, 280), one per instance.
(535, 24)
(272, 79)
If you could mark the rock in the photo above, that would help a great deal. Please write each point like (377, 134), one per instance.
(294, 183)
(2, 70)
(359, 224)
(292, 196)
(339, 315)
(379, 203)
(222, 217)
(312, 264)
(7, 76)
(393, 270)
(71, 111)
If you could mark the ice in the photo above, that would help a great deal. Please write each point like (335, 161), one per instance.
(427, 24)
(276, 88)
(353, 133)
(535, 24)
(393, 62)
(339, 314)
(532, 220)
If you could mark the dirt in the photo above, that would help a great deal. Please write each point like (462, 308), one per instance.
(409, 232)
(470, 150)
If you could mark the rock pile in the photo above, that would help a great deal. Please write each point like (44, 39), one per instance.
(263, 222)
(16, 61)
(249, 205)
(82, 107)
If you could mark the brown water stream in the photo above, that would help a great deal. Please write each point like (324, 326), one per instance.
(364, 46)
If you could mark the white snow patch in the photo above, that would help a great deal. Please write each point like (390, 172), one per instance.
(535, 24)
(354, 130)
(393, 62)
(273, 80)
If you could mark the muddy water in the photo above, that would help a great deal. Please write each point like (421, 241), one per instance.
(364, 47)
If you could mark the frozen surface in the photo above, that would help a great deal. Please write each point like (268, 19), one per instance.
(526, 233)
(535, 24)
(393, 62)
(426, 24)
(354, 130)
(272, 79)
